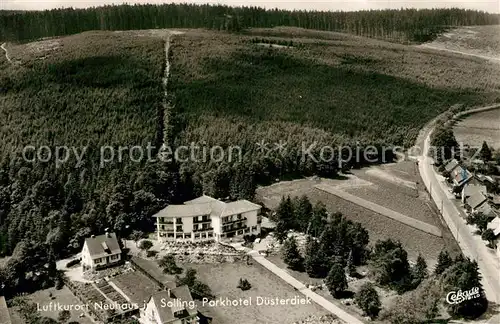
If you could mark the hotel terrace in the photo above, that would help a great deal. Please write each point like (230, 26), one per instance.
(206, 218)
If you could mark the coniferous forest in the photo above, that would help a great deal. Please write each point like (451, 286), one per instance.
(406, 25)
(99, 89)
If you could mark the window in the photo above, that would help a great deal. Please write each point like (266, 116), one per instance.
(239, 216)
(210, 234)
(114, 257)
(178, 220)
(197, 235)
(171, 235)
(195, 227)
(179, 235)
(205, 218)
(204, 226)
(179, 228)
(98, 260)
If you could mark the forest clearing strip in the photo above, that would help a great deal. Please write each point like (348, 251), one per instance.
(422, 226)
(485, 57)
(6, 52)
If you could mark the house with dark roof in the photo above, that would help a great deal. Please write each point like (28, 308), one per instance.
(206, 218)
(171, 306)
(476, 200)
(470, 189)
(101, 252)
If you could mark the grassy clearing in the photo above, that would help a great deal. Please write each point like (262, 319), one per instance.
(63, 297)
(386, 296)
(478, 40)
(223, 279)
(475, 129)
(379, 191)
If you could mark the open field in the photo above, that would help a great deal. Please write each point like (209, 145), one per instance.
(412, 203)
(63, 297)
(483, 41)
(476, 128)
(223, 279)
(379, 209)
(386, 295)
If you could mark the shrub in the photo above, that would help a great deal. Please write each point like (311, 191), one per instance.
(244, 284)
(151, 253)
(367, 299)
(336, 281)
(63, 316)
(72, 263)
(145, 245)
(169, 266)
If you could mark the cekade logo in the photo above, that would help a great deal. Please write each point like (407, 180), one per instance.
(456, 297)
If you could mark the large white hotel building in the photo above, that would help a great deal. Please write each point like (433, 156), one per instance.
(206, 218)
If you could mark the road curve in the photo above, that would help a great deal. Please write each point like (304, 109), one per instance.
(471, 245)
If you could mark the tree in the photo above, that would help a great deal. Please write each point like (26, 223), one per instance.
(389, 264)
(444, 262)
(167, 263)
(318, 220)
(419, 271)
(244, 284)
(368, 300)
(464, 275)
(302, 212)
(485, 152)
(291, 255)
(315, 262)
(489, 235)
(479, 219)
(336, 280)
(444, 142)
(419, 306)
(284, 219)
(351, 267)
(198, 289)
(136, 236)
(145, 245)
(64, 316)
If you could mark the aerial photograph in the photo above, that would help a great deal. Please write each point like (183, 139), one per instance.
(249, 162)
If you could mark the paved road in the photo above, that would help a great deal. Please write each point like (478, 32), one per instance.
(329, 306)
(415, 223)
(471, 245)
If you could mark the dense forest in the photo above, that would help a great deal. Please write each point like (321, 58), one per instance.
(396, 25)
(100, 89)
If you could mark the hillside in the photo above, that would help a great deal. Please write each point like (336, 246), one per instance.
(104, 89)
(311, 87)
(82, 97)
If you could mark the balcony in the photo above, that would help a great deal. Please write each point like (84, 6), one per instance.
(203, 229)
(234, 221)
(226, 229)
(195, 221)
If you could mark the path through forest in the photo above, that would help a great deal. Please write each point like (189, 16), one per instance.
(6, 52)
(438, 48)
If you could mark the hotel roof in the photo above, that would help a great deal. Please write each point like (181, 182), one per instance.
(206, 205)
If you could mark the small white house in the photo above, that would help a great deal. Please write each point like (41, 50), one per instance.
(101, 252)
(174, 306)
